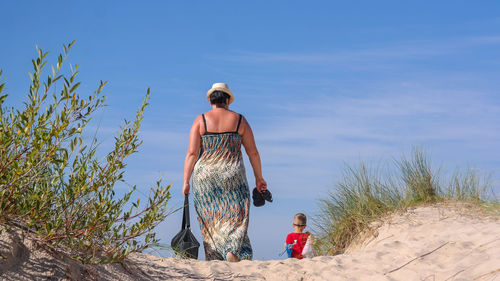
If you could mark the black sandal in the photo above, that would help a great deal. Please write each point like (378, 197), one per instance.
(260, 198)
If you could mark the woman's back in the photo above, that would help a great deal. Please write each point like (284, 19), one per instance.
(220, 120)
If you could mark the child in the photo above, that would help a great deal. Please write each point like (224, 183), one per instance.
(297, 239)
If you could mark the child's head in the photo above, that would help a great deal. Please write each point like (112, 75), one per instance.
(299, 222)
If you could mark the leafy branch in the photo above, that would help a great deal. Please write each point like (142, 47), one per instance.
(53, 186)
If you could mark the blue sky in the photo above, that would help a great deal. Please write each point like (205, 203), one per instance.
(322, 83)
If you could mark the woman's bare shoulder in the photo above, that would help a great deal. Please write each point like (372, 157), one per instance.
(198, 124)
(198, 119)
(244, 126)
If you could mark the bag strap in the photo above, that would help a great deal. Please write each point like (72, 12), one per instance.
(185, 218)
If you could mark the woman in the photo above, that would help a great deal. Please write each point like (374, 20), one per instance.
(220, 190)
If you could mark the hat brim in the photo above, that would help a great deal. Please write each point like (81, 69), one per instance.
(227, 91)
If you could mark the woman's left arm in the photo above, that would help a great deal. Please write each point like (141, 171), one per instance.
(253, 154)
(192, 154)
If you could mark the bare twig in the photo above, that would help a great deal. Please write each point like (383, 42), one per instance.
(421, 256)
(486, 274)
(451, 277)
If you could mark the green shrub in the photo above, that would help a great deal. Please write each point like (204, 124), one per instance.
(365, 195)
(52, 184)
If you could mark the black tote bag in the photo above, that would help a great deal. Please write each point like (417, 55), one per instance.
(184, 243)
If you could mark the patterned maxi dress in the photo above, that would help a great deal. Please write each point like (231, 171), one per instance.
(221, 195)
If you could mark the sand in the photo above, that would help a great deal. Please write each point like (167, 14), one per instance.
(440, 242)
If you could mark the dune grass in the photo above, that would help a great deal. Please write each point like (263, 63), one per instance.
(364, 195)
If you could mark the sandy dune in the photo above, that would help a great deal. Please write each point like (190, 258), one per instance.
(442, 242)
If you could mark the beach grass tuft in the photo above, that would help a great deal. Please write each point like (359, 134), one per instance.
(365, 195)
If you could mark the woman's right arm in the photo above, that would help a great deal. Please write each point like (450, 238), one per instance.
(192, 154)
(248, 142)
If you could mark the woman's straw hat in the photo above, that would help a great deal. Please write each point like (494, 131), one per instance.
(221, 87)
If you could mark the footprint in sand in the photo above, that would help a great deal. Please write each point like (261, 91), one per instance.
(379, 255)
(466, 245)
(392, 244)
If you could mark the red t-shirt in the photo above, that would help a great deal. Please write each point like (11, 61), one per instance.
(299, 246)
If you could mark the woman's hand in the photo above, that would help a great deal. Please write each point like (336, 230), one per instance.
(261, 184)
(185, 189)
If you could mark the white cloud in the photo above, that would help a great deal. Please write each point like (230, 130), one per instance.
(397, 50)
